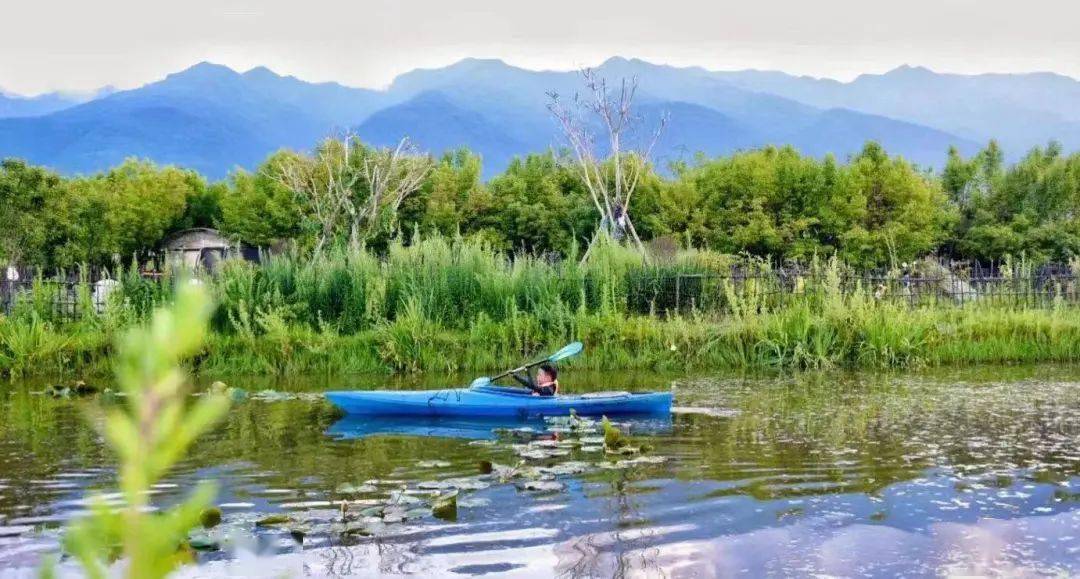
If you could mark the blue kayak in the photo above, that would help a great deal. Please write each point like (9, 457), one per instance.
(495, 401)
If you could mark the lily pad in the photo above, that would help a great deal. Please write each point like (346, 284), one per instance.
(622, 450)
(400, 498)
(273, 520)
(394, 514)
(376, 511)
(543, 453)
(566, 468)
(472, 502)
(468, 484)
(202, 542)
(351, 489)
(541, 486)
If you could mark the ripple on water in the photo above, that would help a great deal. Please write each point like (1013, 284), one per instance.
(805, 475)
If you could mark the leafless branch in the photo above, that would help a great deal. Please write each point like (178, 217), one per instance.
(611, 181)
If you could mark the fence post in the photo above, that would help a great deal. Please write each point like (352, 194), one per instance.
(678, 292)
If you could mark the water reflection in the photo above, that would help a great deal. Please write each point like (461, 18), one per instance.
(358, 427)
(955, 472)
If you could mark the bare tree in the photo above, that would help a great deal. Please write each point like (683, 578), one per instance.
(612, 180)
(349, 187)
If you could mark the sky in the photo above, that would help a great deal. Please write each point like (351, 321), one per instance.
(80, 45)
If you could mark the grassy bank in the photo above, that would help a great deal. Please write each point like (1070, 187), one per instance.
(795, 337)
(444, 305)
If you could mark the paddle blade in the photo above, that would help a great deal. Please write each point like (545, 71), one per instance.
(480, 382)
(572, 349)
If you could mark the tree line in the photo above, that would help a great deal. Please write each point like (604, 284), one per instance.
(872, 209)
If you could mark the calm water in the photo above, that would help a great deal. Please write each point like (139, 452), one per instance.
(959, 472)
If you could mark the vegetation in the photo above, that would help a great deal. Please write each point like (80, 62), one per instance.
(422, 266)
(455, 304)
(873, 210)
(151, 431)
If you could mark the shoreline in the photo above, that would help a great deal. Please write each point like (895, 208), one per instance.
(875, 337)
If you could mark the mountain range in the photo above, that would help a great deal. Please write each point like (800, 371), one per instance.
(214, 119)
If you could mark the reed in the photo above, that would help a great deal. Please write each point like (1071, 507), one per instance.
(450, 304)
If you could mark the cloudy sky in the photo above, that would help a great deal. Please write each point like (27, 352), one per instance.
(80, 45)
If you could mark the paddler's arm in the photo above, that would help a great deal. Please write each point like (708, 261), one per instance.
(525, 380)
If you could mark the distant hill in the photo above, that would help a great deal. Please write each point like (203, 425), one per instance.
(706, 114)
(1020, 110)
(15, 106)
(208, 117)
(214, 119)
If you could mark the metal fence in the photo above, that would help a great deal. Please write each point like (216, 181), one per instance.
(664, 292)
(61, 300)
(725, 293)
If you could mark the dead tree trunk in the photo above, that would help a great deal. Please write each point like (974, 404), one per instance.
(611, 180)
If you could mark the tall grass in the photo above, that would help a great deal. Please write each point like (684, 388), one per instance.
(442, 304)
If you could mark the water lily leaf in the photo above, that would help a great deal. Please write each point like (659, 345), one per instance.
(272, 520)
(591, 440)
(385, 482)
(468, 484)
(565, 468)
(372, 511)
(631, 462)
(592, 449)
(543, 453)
(201, 541)
(541, 486)
(472, 502)
(351, 489)
(395, 514)
(400, 498)
(417, 513)
(648, 460)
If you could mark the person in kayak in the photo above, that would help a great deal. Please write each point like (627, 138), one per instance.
(546, 382)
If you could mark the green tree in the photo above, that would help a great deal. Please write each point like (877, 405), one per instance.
(122, 212)
(442, 203)
(537, 205)
(27, 196)
(258, 209)
(896, 212)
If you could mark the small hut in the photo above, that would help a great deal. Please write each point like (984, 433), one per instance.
(202, 247)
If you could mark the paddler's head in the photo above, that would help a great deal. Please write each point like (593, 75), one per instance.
(547, 374)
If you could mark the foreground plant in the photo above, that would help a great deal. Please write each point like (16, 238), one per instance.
(150, 432)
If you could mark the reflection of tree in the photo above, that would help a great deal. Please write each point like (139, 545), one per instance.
(625, 551)
(823, 433)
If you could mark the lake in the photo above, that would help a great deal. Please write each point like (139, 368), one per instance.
(945, 472)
